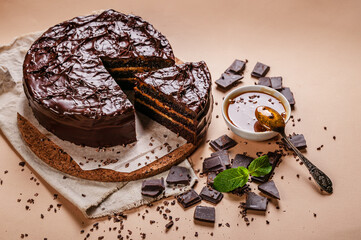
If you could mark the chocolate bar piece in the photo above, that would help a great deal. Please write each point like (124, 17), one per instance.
(223, 143)
(264, 81)
(298, 140)
(274, 159)
(237, 67)
(241, 160)
(210, 178)
(205, 214)
(178, 175)
(213, 164)
(270, 189)
(289, 95)
(152, 187)
(260, 70)
(228, 80)
(256, 202)
(211, 195)
(276, 83)
(189, 198)
(224, 155)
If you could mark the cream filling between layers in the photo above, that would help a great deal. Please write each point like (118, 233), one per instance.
(162, 114)
(160, 104)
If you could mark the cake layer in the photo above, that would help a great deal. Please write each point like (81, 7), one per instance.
(67, 82)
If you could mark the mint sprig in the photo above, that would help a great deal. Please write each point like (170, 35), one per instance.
(233, 178)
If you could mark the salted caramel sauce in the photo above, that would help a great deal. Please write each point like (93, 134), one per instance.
(240, 110)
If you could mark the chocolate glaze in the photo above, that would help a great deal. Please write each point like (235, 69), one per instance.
(68, 86)
(188, 84)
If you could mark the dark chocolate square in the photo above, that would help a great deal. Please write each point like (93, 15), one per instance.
(298, 140)
(256, 202)
(270, 189)
(189, 198)
(241, 160)
(178, 175)
(211, 195)
(260, 70)
(224, 155)
(276, 83)
(274, 159)
(288, 95)
(205, 214)
(223, 143)
(227, 80)
(213, 164)
(264, 81)
(152, 187)
(237, 67)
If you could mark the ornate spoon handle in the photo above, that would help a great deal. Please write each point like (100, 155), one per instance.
(320, 177)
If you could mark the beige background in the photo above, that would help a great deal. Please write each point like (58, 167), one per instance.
(314, 45)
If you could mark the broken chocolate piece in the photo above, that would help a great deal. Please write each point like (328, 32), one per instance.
(189, 198)
(264, 81)
(237, 67)
(270, 189)
(274, 159)
(178, 175)
(288, 95)
(260, 70)
(211, 195)
(298, 140)
(256, 202)
(276, 83)
(228, 80)
(223, 154)
(205, 214)
(223, 143)
(241, 160)
(213, 164)
(210, 178)
(153, 187)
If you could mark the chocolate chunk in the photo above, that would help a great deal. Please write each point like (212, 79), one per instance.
(205, 214)
(276, 83)
(260, 70)
(298, 140)
(224, 155)
(256, 202)
(264, 81)
(274, 159)
(178, 175)
(237, 67)
(211, 195)
(227, 80)
(213, 164)
(210, 178)
(223, 143)
(241, 160)
(288, 95)
(189, 198)
(270, 189)
(152, 187)
(169, 225)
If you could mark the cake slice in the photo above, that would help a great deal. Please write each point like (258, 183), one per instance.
(178, 97)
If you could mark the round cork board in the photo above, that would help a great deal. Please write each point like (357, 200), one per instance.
(57, 158)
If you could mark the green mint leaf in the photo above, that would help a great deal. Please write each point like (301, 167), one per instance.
(260, 166)
(231, 179)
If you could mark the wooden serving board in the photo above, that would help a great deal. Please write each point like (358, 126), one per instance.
(57, 158)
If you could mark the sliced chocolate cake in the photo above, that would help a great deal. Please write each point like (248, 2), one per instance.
(178, 97)
(67, 79)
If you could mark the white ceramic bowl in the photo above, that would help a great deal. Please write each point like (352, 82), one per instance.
(255, 136)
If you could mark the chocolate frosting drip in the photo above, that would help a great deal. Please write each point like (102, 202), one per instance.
(188, 83)
(64, 71)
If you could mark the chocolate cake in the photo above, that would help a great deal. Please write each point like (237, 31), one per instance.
(179, 97)
(70, 76)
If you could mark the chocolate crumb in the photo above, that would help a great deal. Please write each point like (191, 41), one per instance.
(314, 214)
(196, 234)
(267, 221)
(334, 137)
(298, 175)
(169, 225)
(83, 195)
(325, 128)
(22, 164)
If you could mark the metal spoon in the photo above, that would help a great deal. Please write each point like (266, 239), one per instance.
(273, 121)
